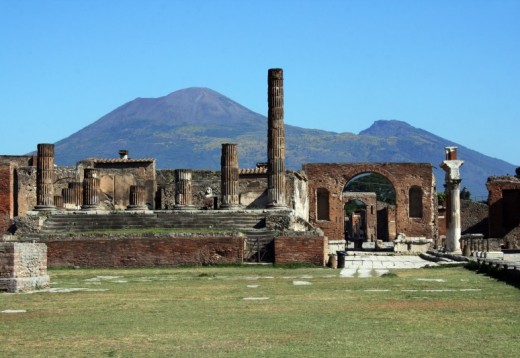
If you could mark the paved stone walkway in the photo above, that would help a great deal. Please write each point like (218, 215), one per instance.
(366, 265)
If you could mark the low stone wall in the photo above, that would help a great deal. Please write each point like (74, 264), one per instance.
(23, 266)
(109, 250)
(301, 249)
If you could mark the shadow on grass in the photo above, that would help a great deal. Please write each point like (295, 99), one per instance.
(511, 277)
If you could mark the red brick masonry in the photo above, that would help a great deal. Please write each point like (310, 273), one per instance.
(143, 250)
(300, 249)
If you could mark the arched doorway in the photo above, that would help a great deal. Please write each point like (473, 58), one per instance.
(377, 216)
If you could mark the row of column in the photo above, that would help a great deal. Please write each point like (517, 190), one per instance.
(76, 195)
(86, 194)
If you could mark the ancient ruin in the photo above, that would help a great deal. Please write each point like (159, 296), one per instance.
(452, 183)
(276, 138)
(235, 215)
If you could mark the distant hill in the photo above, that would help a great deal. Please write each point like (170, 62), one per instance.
(186, 128)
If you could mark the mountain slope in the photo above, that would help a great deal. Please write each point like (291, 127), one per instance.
(186, 129)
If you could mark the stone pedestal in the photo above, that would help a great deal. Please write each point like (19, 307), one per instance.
(45, 177)
(90, 190)
(137, 198)
(275, 139)
(24, 266)
(229, 184)
(183, 195)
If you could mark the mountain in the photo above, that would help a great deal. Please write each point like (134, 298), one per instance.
(186, 128)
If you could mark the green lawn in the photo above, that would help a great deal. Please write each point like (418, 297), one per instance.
(263, 311)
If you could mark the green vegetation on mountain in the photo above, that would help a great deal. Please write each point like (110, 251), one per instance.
(186, 129)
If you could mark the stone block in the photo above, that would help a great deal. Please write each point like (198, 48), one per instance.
(24, 266)
(368, 245)
(494, 255)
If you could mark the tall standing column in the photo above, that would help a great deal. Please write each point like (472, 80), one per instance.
(229, 185)
(275, 139)
(45, 177)
(452, 183)
(137, 198)
(90, 189)
(183, 198)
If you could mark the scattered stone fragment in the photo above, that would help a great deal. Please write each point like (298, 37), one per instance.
(302, 283)
(255, 298)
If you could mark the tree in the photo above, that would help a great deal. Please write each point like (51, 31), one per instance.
(517, 171)
(465, 194)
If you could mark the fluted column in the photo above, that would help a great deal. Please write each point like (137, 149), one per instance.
(229, 177)
(137, 198)
(77, 187)
(90, 189)
(183, 198)
(69, 200)
(45, 177)
(58, 201)
(452, 184)
(275, 139)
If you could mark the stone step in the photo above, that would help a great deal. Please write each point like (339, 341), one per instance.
(184, 220)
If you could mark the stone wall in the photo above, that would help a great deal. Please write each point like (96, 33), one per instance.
(117, 250)
(504, 209)
(6, 196)
(298, 194)
(474, 217)
(308, 249)
(205, 187)
(117, 175)
(23, 266)
(332, 177)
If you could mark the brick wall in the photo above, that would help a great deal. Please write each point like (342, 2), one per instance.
(143, 250)
(6, 196)
(504, 205)
(301, 249)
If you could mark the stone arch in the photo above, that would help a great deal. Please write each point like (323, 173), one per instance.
(402, 176)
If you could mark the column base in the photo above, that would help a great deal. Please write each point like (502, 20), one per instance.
(89, 207)
(44, 208)
(137, 207)
(275, 206)
(230, 207)
(184, 207)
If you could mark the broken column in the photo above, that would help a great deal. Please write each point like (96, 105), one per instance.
(275, 139)
(58, 201)
(90, 189)
(452, 184)
(45, 177)
(77, 188)
(183, 189)
(137, 198)
(229, 177)
(69, 200)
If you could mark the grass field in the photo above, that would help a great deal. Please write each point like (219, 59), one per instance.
(262, 311)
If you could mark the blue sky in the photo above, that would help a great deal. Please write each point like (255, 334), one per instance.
(449, 67)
